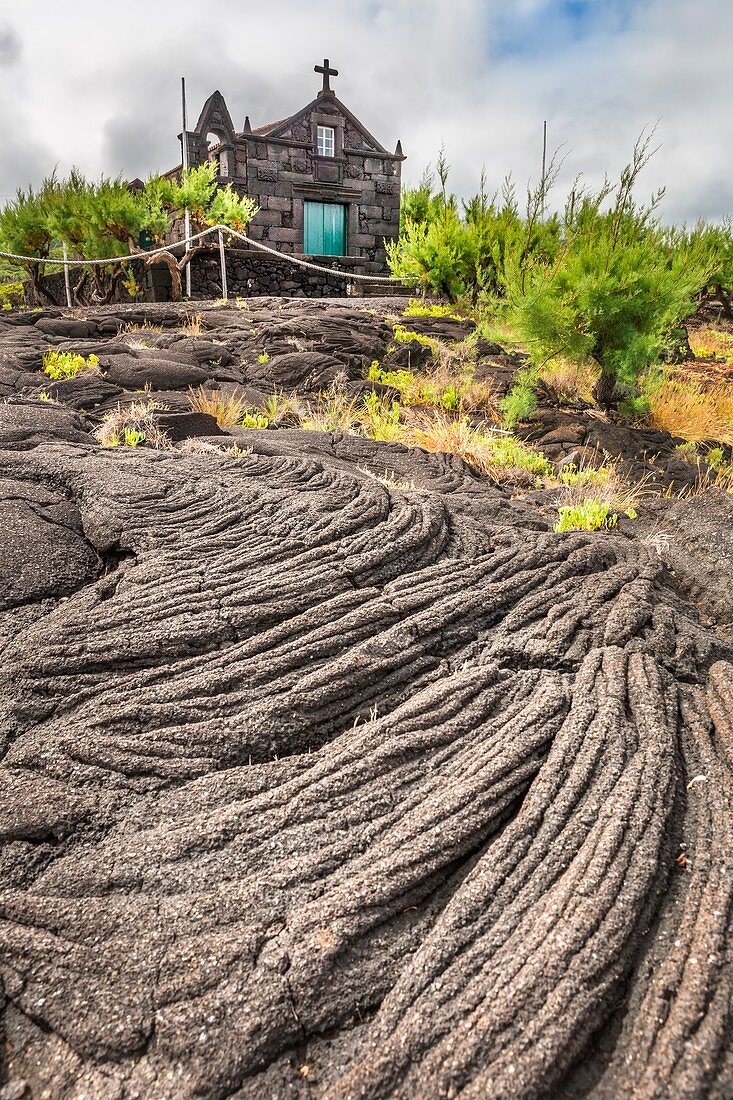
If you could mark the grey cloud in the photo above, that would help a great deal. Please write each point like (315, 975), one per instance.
(421, 73)
(22, 162)
(11, 46)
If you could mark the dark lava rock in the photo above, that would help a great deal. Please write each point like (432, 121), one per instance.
(642, 453)
(30, 423)
(135, 373)
(410, 355)
(364, 386)
(187, 425)
(328, 770)
(43, 551)
(303, 370)
(26, 318)
(84, 391)
(172, 400)
(694, 537)
(500, 372)
(96, 347)
(199, 350)
(14, 378)
(441, 328)
(66, 326)
(254, 397)
(488, 349)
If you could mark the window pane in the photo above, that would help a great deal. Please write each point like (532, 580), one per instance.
(325, 141)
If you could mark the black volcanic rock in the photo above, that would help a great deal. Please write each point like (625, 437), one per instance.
(328, 770)
(29, 423)
(43, 551)
(309, 371)
(187, 425)
(137, 372)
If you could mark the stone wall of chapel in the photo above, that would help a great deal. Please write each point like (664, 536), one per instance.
(282, 173)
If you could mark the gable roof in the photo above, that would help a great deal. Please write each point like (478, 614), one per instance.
(266, 128)
(215, 118)
(325, 101)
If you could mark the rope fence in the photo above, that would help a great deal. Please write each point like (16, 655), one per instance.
(220, 230)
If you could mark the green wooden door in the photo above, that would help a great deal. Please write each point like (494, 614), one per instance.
(324, 232)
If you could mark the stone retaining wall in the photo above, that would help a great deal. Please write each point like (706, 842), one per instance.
(249, 273)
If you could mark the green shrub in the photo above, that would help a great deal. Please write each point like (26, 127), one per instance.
(67, 364)
(450, 399)
(510, 452)
(380, 419)
(614, 293)
(416, 308)
(100, 220)
(635, 406)
(520, 403)
(405, 336)
(399, 379)
(591, 515)
(717, 242)
(572, 476)
(253, 420)
(460, 253)
(11, 296)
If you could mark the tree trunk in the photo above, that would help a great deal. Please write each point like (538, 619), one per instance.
(43, 297)
(80, 287)
(726, 300)
(604, 390)
(171, 263)
(174, 266)
(105, 284)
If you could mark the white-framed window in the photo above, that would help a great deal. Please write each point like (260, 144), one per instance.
(325, 141)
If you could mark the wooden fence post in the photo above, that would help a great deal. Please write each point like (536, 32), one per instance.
(223, 264)
(67, 281)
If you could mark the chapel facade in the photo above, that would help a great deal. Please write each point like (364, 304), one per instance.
(324, 184)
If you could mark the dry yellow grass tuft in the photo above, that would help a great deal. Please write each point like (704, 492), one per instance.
(193, 325)
(711, 343)
(129, 328)
(497, 454)
(332, 412)
(228, 408)
(570, 381)
(133, 425)
(604, 484)
(136, 336)
(693, 410)
(440, 389)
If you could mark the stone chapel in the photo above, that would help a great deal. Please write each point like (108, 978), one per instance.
(325, 186)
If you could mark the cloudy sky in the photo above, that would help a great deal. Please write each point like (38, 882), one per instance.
(97, 84)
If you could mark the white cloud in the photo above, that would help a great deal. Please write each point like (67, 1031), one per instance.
(99, 85)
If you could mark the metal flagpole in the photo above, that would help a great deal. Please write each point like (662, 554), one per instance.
(223, 263)
(67, 281)
(544, 163)
(186, 214)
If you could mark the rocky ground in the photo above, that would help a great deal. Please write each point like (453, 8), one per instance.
(328, 769)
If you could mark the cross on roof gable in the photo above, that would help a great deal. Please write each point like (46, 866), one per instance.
(327, 71)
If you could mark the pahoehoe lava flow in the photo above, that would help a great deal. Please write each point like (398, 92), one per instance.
(313, 785)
